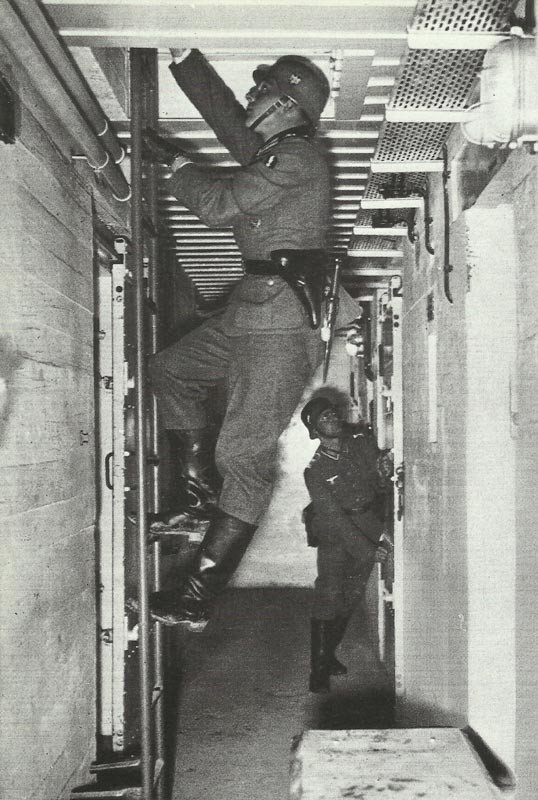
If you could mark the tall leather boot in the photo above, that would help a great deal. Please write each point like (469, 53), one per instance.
(337, 629)
(194, 489)
(192, 451)
(319, 653)
(216, 560)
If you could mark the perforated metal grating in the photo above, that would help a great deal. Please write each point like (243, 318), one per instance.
(411, 141)
(367, 219)
(389, 185)
(437, 78)
(484, 16)
(434, 79)
(372, 243)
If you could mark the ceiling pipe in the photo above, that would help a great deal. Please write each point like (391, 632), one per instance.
(33, 44)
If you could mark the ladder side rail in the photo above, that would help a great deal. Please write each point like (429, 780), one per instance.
(152, 196)
(137, 122)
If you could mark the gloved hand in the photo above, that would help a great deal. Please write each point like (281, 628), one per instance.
(384, 547)
(381, 555)
(159, 149)
(385, 464)
(177, 52)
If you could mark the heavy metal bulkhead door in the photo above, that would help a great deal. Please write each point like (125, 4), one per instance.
(121, 754)
(388, 423)
(130, 725)
(116, 555)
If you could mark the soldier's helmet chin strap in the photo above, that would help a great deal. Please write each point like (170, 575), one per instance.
(280, 103)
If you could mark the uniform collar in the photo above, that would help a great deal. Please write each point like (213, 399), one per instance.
(334, 455)
(299, 132)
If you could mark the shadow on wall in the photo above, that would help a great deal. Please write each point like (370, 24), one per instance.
(10, 361)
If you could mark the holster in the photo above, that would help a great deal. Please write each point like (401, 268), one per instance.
(305, 271)
(308, 519)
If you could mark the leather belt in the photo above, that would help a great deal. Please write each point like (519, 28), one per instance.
(253, 267)
(303, 271)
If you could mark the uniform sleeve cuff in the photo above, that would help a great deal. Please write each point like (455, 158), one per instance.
(179, 166)
(182, 57)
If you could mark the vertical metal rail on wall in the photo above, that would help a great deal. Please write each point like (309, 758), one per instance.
(138, 97)
(152, 197)
(398, 452)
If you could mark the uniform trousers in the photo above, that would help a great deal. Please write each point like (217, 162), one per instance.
(265, 374)
(341, 579)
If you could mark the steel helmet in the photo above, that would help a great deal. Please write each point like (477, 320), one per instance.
(298, 78)
(312, 410)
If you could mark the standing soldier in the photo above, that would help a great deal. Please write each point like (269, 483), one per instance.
(264, 343)
(347, 481)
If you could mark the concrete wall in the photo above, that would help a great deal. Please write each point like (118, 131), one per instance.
(524, 419)
(435, 581)
(471, 572)
(47, 486)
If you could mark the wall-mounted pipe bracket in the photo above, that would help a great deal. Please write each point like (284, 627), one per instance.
(95, 167)
(428, 220)
(447, 267)
(123, 199)
(527, 23)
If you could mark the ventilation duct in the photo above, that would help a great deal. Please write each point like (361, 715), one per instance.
(507, 113)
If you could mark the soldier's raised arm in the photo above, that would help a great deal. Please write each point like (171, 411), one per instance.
(216, 102)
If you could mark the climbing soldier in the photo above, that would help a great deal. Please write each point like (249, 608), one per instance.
(264, 343)
(347, 479)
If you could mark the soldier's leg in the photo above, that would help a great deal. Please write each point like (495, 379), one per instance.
(356, 574)
(327, 604)
(216, 559)
(182, 376)
(267, 374)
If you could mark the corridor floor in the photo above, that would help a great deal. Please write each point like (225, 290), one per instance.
(241, 694)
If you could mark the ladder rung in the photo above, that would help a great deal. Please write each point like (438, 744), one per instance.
(114, 766)
(95, 792)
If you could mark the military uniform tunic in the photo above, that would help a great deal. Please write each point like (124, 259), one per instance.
(347, 495)
(261, 343)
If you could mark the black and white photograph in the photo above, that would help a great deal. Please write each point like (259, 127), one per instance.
(268, 400)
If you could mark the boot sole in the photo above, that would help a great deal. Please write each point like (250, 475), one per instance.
(195, 626)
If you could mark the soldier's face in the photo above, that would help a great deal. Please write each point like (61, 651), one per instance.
(329, 423)
(260, 98)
